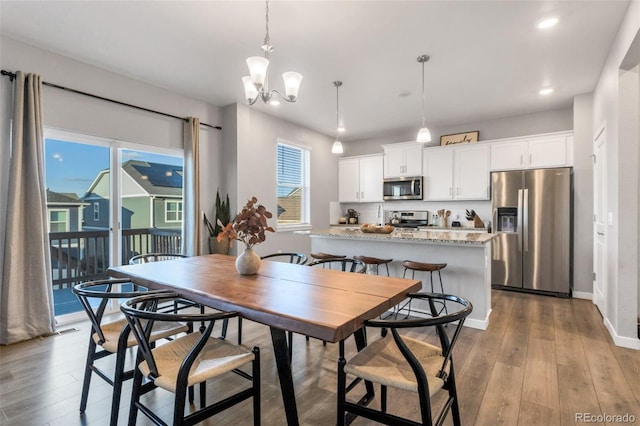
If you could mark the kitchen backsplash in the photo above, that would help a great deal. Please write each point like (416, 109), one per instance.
(369, 211)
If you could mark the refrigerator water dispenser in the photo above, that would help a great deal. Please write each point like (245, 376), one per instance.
(507, 219)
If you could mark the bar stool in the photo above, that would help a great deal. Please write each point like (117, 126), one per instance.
(425, 267)
(325, 256)
(375, 262)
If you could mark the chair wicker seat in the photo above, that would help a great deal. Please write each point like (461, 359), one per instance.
(216, 358)
(112, 330)
(382, 362)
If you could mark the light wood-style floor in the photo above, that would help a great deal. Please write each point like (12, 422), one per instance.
(542, 361)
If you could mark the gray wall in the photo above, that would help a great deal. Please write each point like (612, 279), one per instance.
(250, 170)
(622, 174)
(77, 113)
(506, 127)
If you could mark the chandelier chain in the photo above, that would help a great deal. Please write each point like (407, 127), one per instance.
(267, 40)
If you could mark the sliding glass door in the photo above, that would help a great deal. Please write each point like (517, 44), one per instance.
(106, 202)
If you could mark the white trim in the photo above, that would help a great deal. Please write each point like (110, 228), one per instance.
(625, 342)
(582, 295)
(294, 144)
(291, 228)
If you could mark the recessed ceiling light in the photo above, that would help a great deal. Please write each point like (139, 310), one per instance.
(546, 91)
(274, 102)
(547, 23)
(341, 129)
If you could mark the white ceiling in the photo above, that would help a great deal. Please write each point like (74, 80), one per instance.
(488, 59)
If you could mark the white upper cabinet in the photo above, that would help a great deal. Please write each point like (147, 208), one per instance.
(508, 155)
(532, 152)
(402, 159)
(360, 179)
(456, 173)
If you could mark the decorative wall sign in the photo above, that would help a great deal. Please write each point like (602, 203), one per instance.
(457, 138)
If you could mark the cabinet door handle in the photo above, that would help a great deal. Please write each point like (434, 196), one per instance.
(362, 195)
(357, 195)
(450, 190)
(530, 157)
(458, 191)
(521, 160)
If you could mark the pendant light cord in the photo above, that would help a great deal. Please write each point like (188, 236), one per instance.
(423, 120)
(337, 110)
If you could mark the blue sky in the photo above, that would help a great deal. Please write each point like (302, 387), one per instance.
(72, 167)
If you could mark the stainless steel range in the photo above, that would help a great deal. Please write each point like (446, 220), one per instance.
(408, 219)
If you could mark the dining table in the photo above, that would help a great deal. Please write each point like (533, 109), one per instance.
(326, 304)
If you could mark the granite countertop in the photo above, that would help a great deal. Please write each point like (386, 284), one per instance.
(422, 236)
(421, 228)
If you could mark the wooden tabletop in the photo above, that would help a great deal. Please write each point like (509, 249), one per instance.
(325, 304)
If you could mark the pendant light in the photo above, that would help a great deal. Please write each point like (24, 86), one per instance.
(256, 86)
(424, 135)
(337, 148)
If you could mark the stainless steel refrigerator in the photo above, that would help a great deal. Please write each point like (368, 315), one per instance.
(532, 217)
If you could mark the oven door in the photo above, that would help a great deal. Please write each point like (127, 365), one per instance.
(403, 188)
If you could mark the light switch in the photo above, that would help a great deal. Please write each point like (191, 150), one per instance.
(610, 218)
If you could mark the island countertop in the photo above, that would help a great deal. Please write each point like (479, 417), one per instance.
(398, 235)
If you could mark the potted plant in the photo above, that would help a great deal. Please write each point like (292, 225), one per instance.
(250, 227)
(222, 216)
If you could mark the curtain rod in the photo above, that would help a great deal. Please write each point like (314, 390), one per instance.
(13, 76)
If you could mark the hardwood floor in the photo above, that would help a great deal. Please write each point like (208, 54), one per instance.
(541, 361)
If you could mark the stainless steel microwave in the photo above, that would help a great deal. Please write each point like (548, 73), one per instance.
(402, 188)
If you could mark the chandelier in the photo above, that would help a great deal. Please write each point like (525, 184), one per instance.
(424, 135)
(257, 84)
(336, 148)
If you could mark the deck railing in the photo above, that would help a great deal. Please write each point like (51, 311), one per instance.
(84, 255)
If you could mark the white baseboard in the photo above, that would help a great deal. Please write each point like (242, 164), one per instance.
(622, 341)
(582, 295)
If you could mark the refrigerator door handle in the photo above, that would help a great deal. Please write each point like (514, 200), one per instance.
(525, 215)
(519, 220)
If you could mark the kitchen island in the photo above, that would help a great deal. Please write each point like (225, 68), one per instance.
(467, 255)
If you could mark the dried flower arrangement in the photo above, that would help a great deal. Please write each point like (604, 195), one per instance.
(249, 226)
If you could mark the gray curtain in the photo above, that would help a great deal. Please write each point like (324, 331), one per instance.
(26, 299)
(191, 223)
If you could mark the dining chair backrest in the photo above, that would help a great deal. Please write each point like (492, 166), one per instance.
(345, 265)
(154, 257)
(297, 258)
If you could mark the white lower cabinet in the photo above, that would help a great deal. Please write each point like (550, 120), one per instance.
(456, 173)
(360, 179)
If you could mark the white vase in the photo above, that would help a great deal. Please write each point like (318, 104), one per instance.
(248, 263)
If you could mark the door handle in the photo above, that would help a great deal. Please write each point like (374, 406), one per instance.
(519, 219)
(525, 207)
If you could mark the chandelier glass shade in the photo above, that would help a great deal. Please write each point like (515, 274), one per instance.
(256, 85)
(424, 134)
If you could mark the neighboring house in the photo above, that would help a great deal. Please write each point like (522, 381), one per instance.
(289, 206)
(151, 197)
(63, 211)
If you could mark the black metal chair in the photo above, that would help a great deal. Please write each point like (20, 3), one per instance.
(186, 361)
(406, 363)
(345, 265)
(112, 337)
(154, 257)
(297, 258)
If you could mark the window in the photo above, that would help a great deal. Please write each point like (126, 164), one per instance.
(173, 211)
(293, 186)
(58, 220)
(96, 212)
